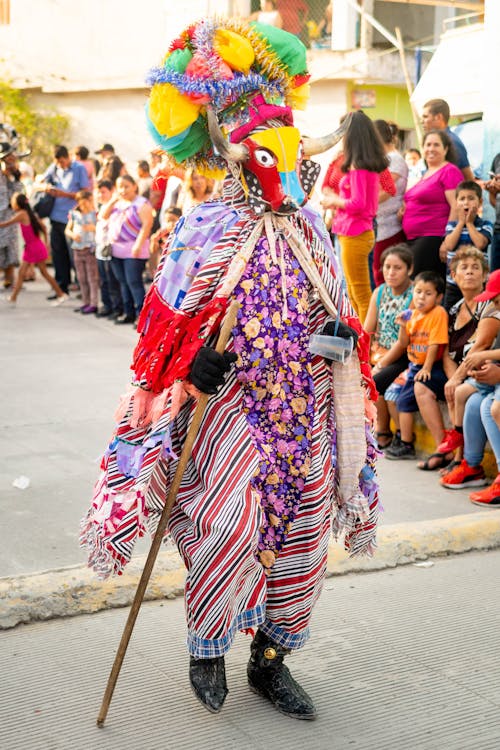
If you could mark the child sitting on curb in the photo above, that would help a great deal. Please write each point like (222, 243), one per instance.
(387, 301)
(424, 337)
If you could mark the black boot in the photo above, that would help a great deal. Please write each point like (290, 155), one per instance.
(268, 676)
(208, 680)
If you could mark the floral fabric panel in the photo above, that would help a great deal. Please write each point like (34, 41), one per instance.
(274, 369)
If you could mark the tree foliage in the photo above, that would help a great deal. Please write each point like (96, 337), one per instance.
(39, 130)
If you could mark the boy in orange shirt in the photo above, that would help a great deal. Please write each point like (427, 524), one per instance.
(424, 334)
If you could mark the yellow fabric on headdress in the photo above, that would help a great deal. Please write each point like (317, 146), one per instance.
(170, 111)
(234, 49)
(298, 98)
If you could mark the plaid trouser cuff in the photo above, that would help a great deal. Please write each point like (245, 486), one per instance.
(285, 639)
(208, 648)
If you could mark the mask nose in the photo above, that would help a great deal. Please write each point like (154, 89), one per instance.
(292, 188)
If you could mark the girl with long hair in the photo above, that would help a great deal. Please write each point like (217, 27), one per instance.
(35, 246)
(357, 204)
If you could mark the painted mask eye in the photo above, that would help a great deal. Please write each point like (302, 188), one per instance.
(264, 157)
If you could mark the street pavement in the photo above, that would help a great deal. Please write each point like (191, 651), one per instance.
(62, 376)
(404, 658)
(401, 659)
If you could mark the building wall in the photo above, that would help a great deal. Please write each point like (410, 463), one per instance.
(99, 43)
(99, 117)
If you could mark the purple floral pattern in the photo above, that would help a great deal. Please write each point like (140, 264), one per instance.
(274, 370)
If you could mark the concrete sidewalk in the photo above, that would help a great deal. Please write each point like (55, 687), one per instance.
(63, 374)
(402, 659)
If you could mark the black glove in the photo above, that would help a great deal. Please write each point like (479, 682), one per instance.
(207, 372)
(342, 331)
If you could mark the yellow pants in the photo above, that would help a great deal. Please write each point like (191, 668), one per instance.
(354, 253)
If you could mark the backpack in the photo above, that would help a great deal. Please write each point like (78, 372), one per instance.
(42, 202)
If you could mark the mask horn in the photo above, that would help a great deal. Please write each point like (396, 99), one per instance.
(229, 151)
(319, 145)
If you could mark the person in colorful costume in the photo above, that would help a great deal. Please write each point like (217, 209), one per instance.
(285, 453)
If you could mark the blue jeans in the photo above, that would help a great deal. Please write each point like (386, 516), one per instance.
(479, 426)
(110, 288)
(129, 272)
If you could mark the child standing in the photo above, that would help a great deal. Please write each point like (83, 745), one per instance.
(35, 248)
(81, 231)
(469, 229)
(387, 302)
(424, 336)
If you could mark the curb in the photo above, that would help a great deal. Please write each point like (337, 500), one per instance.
(76, 590)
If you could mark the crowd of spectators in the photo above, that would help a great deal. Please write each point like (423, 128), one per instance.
(409, 232)
(413, 225)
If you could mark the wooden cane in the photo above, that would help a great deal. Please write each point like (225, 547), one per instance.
(225, 332)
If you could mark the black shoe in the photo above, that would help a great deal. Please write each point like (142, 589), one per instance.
(103, 313)
(51, 297)
(208, 680)
(125, 319)
(400, 451)
(268, 676)
(116, 314)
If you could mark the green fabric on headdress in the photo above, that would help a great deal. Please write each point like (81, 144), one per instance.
(287, 46)
(194, 141)
(178, 60)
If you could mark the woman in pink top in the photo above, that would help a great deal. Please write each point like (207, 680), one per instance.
(430, 204)
(130, 221)
(357, 204)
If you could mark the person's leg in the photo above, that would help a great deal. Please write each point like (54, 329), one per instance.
(494, 254)
(406, 405)
(429, 411)
(134, 269)
(93, 279)
(470, 473)
(8, 276)
(495, 406)
(426, 255)
(462, 394)
(117, 265)
(114, 291)
(406, 426)
(354, 253)
(79, 258)
(490, 412)
(104, 285)
(49, 278)
(60, 254)
(19, 281)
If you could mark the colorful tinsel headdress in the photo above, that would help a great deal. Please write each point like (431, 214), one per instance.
(243, 71)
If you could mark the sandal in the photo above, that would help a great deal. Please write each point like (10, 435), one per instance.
(440, 464)
(385, 444)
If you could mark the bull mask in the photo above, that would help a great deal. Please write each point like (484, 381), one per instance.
(278, 177)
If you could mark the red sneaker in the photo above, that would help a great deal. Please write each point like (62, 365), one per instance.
(464, 475)
(452, 441)
(488, 498)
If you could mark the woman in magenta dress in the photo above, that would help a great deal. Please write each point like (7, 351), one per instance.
(430, 204)
(35, 249)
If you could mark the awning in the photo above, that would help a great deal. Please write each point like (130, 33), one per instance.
(455, 72)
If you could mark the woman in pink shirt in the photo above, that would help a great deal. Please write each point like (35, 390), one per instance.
(357, 205)
(430, 204)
